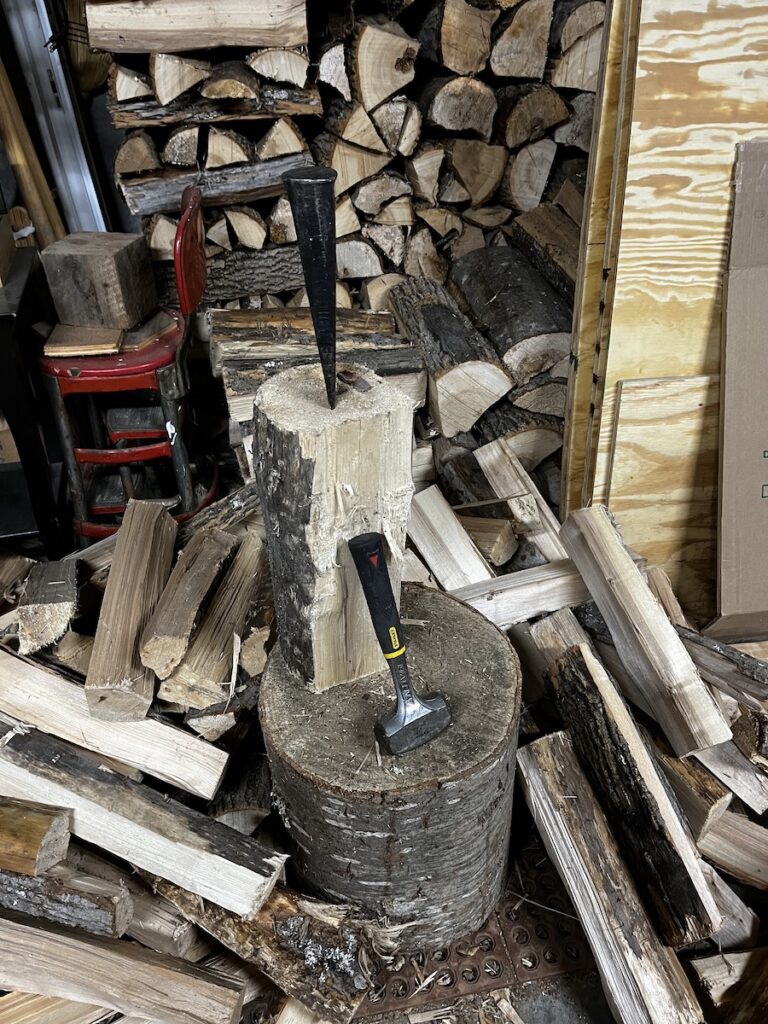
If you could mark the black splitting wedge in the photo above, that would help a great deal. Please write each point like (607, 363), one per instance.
(310, 193)
(415, 720)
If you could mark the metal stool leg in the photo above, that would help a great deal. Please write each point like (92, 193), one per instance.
(74, 476)
(169, 396)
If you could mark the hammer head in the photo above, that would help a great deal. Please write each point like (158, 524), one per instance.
(413, 723)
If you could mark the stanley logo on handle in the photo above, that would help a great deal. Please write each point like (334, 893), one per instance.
(397, 647)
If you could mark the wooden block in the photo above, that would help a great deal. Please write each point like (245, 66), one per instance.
(24, 1008)
(725, 976)
(100, 279)
(741, 925)
(727, 763)
(48, 604)
(120, 975)
(138, 824)
(65, 340)
(443, 543)
(170, 25)
(522, 595)
(118, 686)
(739, 847)
(495, 538)
(54, 705)
(34, 837)
(702, 797)
(643, 979)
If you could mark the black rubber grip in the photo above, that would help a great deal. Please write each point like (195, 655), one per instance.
(368, 553)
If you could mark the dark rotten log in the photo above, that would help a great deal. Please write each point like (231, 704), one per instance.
(273, 101)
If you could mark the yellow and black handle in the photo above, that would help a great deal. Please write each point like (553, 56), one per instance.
(368, 554)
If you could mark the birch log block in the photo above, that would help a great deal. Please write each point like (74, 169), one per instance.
(326, 475)
(426, 845)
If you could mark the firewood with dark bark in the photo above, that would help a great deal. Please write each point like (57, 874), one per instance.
(399, 124)
(232, 80)
(478, 166)
(550, 239)
(172, 76)
(280, 65)
(137, 155)
(457, 35)
(750, 734)
(242, 272)
(460, 105)
(528, 112)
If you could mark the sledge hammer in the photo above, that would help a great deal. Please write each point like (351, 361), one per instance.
(414, 720)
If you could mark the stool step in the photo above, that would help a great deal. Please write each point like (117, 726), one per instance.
(135, 424)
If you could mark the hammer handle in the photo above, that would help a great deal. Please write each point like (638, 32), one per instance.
(367, 553)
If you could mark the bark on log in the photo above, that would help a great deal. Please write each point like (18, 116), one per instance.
(241, 272)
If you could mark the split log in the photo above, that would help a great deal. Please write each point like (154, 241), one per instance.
(750, 734)
(741, 676)
(646, 826)
(247, 226)
(332, 70)
(734, 770)
(521, 41)
(245, 798)
(458, 36)
(161, 235)
(137, 824)
(280, 65)
(399, 123)
(127, 84)
(374, 293)
(22, 1007)
(35, 838)
(423, 171)
(227, 148)
(370, 197)
(460, 105)
(218, 233)
(702, 797)
(282, 139)
(550, 239)
(315, 583)
(494, 538)
(351, 163)
(37, 957)
(351, 121)
(118, 687)
(273, 101)
(217, 720)
(741, 925)
(64, 896)
(661, 588)
(577, 131)
(487, 216)
(464, 376)
(347, 220)
(388, 239)
(442, 220)
(282, 229)
(300, 300)
(382, 59)
(721, 975)
(749, 1002)
(243, 272)
(471, 239)
(540, 395)
(173, 76)
(739, 847)
(166, 636)
(579, 66)
(399, 212)
(137, 155)
(574, 19)
(643, 979)
(451, 190)
(48, 603)
(527, 174)
(645, 639)
(357, 258)
(478, 166)
(198, 680)
(570, 200)
(443, 543)
(232, 80)
(56, 706)
(156, 193)
(422, 258)
(528, 112)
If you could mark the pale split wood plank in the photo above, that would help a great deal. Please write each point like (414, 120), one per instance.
(443, 543)
(27, 1008)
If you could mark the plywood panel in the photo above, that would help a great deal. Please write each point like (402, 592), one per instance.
(700, 89)
(663, 485)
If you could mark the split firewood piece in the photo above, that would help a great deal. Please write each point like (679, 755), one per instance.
(541, 395)
(750, 734)
(332, 70)
(182, 146)
(528, 112)
(357, 258)
(739, 847)
(470, 239)
(478, 166)
(422, 258)
(645, 639)
(399, 124)
(281, 139)
(216, 721)
(351, 121)
(247, 226)
(127, 84)
(741, 925)
(59, 707)
(123, 976)
(23, 1007)
(383, 60)
(414, 570)
(199, 567)
(199, 680)
(232, 80)
(282, 229)
(399, 213)
(721, 975)
(527, 174)
(530, 443)
(238, 512)
(458, 36)
(218, 233)
(226, 148)
(635, 800)
(65, 896)
(510, 482)
(300, 300)
(661, 587)
(577, 131)
(515, 307)
(161, 235)
(280, 65)
(741, 676)
(749, 1002)
(133, 822)
(443, 222)
(550, 239)
(702, 797)
(644, 981)
(460, 105)
(351, 163)
(521, 41)
(574, 19)
(495, 539)
(443, 543)
(370, 197)
(48, 604)
(347, 220)
(423, 171)
(570, 199)
(137, 154)
(728, 764)
(172, 76)
(118, 687)
(388, 239)
(374, 293)
(465, 378)
(487, 217)
(451, 190)
(579, 66)
(423, 465)
(245, 797)
(35, 838)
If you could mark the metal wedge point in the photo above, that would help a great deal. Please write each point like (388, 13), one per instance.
(311, 195)
(414, 720)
